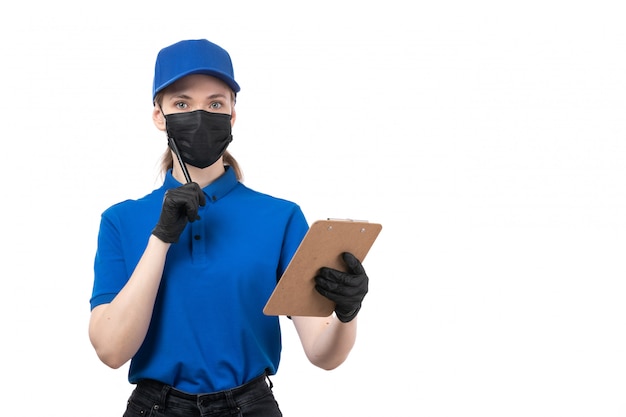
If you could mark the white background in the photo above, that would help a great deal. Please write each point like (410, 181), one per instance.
(486, 136)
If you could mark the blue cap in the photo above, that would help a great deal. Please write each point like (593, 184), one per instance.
(188, 57)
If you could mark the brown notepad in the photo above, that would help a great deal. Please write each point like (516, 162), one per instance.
(325, 241)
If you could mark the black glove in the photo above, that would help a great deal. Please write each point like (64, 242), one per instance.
(180, 205)
(346, 289)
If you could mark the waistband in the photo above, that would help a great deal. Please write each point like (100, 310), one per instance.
(147, 385)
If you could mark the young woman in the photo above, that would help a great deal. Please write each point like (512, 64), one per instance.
(182, 274)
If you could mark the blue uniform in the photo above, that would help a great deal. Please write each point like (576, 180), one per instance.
(208, 331)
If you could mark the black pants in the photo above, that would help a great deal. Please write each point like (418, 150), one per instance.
(253, 399)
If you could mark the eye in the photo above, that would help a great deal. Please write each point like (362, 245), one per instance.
(181, 105)
(215, 105)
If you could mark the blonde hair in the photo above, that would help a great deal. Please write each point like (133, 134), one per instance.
(167, 162)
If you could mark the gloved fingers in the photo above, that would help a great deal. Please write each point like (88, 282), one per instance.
(186, 200)
(353, 264)
(346, 288)
(191, 211)
(192, 192)
(180, 205)
(341, 278)
(331, 295)
(201, 196)
(190, 208)
(341, 299)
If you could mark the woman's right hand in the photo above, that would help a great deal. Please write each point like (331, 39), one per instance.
(180, 206)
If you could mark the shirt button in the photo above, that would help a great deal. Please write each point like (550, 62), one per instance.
(214, 198)
(197, 237)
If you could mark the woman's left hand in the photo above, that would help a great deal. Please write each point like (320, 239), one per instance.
(346, 289)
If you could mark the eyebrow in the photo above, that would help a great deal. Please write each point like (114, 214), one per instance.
(210, 97)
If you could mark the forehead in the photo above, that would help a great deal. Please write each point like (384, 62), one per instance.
(200, 83)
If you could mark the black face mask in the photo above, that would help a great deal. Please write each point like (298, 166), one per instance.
(201, 137)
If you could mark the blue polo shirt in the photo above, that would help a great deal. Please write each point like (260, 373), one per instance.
(208, 331)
